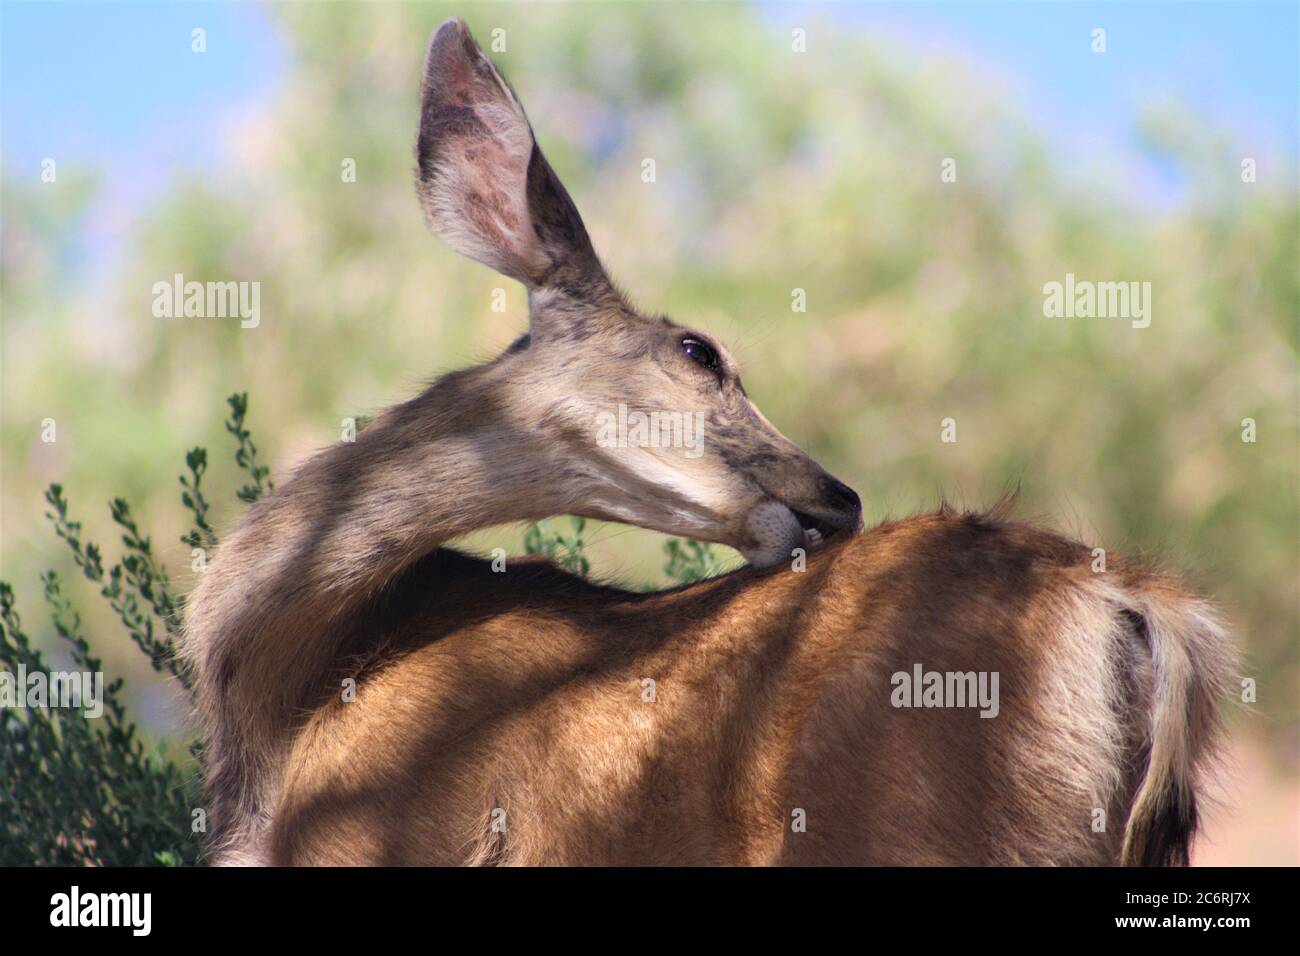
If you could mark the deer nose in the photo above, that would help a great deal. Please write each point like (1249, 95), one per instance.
(841, 497)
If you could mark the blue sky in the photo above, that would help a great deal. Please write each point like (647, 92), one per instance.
(119, 80)
(1235, 62)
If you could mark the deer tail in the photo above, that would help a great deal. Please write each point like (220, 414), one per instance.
(1192, 659)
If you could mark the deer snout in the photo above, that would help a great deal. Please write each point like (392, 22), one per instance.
(828, 507)
(782, 525)
(806, 506)
(840, 498)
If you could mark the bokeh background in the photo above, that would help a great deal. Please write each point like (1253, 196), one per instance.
(776, 170)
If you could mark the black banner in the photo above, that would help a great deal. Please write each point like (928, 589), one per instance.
(206, 905)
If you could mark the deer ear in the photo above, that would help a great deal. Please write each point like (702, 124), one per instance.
(484, 184)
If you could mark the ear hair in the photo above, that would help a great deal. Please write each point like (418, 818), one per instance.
(485, 185)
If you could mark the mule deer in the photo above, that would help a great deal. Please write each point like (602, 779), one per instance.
(534, 717)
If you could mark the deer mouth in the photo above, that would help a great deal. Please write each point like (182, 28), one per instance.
(816, 531)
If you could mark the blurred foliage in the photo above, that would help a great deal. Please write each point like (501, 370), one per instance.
(690, 561)
(566, 551)
(776, 171)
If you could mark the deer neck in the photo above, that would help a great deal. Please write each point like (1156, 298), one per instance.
(460, 457)
(272, 615)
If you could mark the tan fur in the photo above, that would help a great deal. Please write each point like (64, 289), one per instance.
(524, 692)
(499, 718)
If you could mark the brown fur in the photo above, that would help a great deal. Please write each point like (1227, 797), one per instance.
(520, 693)
(523, 692)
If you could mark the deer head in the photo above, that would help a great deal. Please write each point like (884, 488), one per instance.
(637, 419)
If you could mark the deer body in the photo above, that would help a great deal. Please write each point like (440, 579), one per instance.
(504, 718)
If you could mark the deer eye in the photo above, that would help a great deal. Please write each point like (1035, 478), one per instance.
(700, 353)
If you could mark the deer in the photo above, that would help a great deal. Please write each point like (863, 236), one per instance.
(371, 696)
